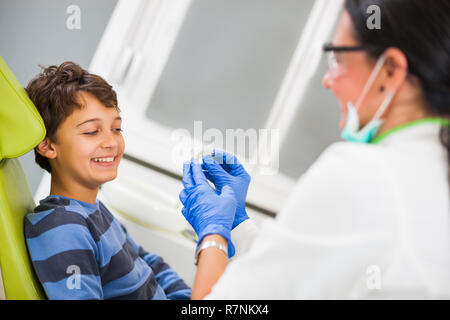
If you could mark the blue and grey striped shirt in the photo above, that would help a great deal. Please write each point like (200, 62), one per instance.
(80, 251)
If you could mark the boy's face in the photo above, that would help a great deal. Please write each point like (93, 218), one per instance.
(87, 141)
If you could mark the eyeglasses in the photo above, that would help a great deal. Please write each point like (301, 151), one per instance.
(333, 65)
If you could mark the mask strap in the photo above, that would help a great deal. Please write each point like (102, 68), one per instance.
(384, 105)
(371, 80)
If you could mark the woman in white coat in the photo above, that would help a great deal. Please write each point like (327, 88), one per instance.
(371, 217)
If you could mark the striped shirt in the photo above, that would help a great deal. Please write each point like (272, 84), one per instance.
(80, 251)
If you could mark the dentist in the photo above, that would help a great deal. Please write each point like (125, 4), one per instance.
(370, 219)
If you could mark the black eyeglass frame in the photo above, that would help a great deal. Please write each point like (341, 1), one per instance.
(328, 47)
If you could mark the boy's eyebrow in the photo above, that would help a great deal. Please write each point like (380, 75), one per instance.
(96, 119)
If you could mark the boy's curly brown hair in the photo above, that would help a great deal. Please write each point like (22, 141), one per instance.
(55, 93)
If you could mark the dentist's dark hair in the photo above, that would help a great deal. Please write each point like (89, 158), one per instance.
(55, 93)
(421, 30)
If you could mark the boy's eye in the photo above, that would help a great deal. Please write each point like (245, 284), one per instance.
(91, 132)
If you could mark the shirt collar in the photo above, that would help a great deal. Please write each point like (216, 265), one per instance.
(87, 205)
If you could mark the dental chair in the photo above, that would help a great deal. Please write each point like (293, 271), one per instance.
(21, 129)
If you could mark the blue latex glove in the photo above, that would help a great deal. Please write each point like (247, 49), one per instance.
(225, 169)
(207, 211)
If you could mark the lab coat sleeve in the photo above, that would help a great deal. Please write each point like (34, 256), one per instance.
(331, 236)
(243, 236)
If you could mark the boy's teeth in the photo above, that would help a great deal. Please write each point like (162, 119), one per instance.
(103, 159)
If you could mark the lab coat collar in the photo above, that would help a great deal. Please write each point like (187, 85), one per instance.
(428, 127)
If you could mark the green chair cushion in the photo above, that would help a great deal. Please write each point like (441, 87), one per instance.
(16, 200)
(21, 129)
(21, 126)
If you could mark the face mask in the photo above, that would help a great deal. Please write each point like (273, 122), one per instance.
(351, 131)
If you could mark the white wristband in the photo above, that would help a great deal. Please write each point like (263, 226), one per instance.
(209, 244)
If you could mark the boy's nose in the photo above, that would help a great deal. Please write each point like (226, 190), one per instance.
(109, 141)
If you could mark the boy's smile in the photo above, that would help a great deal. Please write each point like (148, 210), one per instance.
(88, 148)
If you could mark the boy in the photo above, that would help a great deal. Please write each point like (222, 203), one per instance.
(78, 249)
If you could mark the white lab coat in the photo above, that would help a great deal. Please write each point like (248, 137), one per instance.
(364, 222)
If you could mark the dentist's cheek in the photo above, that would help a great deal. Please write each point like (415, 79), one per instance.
(327, 83)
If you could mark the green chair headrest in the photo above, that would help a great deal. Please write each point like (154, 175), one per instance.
(21, 126)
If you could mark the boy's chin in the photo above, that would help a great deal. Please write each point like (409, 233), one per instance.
(112, 177)
(106, 178)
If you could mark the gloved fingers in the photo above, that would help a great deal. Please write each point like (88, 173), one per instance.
(228, 192)
(188, 181)
(207, 175)
(183, 196)
(214, 169)
(228, 161)
(197, 174)
(185, 212)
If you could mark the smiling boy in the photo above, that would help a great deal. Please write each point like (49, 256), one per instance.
(77, 247)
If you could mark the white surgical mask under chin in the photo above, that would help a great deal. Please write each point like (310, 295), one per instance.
(351, 131)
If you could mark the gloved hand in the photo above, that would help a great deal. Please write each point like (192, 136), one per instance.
(225, 169)
(207, 211)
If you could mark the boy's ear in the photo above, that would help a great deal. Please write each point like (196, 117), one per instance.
(46, 149)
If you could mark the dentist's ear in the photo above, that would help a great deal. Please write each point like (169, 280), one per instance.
(395, 68)
(46, 149)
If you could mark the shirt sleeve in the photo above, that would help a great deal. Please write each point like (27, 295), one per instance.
(173, 285)
(63, 254)
(332, 236)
